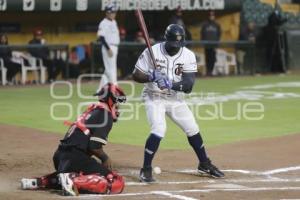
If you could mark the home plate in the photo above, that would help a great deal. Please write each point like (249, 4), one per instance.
(225, 186)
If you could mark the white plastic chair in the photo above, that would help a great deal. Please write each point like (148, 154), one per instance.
(4, 72)
(223, 62)
(221, 66)
(35, 65)
(231, 61)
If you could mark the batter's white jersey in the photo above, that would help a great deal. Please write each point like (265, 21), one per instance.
(109, 30)
(172, 66)
(157, 106)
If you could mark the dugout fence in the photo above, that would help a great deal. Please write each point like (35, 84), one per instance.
(129, 52)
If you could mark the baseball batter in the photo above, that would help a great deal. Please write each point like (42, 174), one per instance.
(108, 34)
(163, 95)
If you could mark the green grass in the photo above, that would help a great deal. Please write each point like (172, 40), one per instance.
(30, 107)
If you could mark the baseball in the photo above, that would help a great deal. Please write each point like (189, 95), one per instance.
(157, 170)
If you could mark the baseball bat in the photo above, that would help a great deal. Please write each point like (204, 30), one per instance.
(143, 27)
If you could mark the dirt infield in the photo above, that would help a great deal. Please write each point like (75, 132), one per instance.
(261, 169)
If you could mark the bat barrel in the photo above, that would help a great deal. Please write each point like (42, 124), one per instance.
(143, 27)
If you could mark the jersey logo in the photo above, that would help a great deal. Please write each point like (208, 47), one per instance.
(178, 69)
(160, 61)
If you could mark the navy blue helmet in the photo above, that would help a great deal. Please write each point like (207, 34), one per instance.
(175, 35)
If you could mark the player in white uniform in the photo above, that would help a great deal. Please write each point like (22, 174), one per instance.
(163, 94)
(108, 34)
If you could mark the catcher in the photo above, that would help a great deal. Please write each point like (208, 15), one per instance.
(80, 161)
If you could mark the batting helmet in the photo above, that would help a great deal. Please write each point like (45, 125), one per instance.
(175, 35)
(111, 8)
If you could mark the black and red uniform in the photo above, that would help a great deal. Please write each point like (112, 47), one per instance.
(80, 156)
(73, 153)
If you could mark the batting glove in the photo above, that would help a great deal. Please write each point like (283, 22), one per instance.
(164, 83)
(155, 75)
(169, 84)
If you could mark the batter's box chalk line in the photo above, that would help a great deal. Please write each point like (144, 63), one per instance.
(268, 178)
(175, 193)
(218, 187)
(251, 172)
(241, 171)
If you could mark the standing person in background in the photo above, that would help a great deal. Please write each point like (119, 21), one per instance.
(247, 33)
(177, 19)
(6, 55)
(42, 52)
(211, 31)
(108, 35)
(74, 68)
(274, 55)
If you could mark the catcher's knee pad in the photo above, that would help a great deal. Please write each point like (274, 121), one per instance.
(94, 183)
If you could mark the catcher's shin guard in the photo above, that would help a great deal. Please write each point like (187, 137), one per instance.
(116, 183)
(49, 181)
(92, 183)
(73, 183)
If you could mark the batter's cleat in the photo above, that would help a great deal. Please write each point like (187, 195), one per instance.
(67, 184)
(208, 168)
(29, 184)
(146, 175)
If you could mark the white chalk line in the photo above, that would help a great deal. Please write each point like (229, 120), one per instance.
(268, 180)
(281, 170)
(176, 196)
(192, 191)
(181, 197)
(289, 199)
(242, 171)
(269, 172)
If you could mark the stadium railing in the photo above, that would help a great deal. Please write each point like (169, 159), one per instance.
(134, 49)
(137, 48)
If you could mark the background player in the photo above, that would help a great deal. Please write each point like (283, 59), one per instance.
(81, 150)
(163, 94)
(108, 34)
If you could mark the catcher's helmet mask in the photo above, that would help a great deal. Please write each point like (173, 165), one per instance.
(112, 95)
(112, 91)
